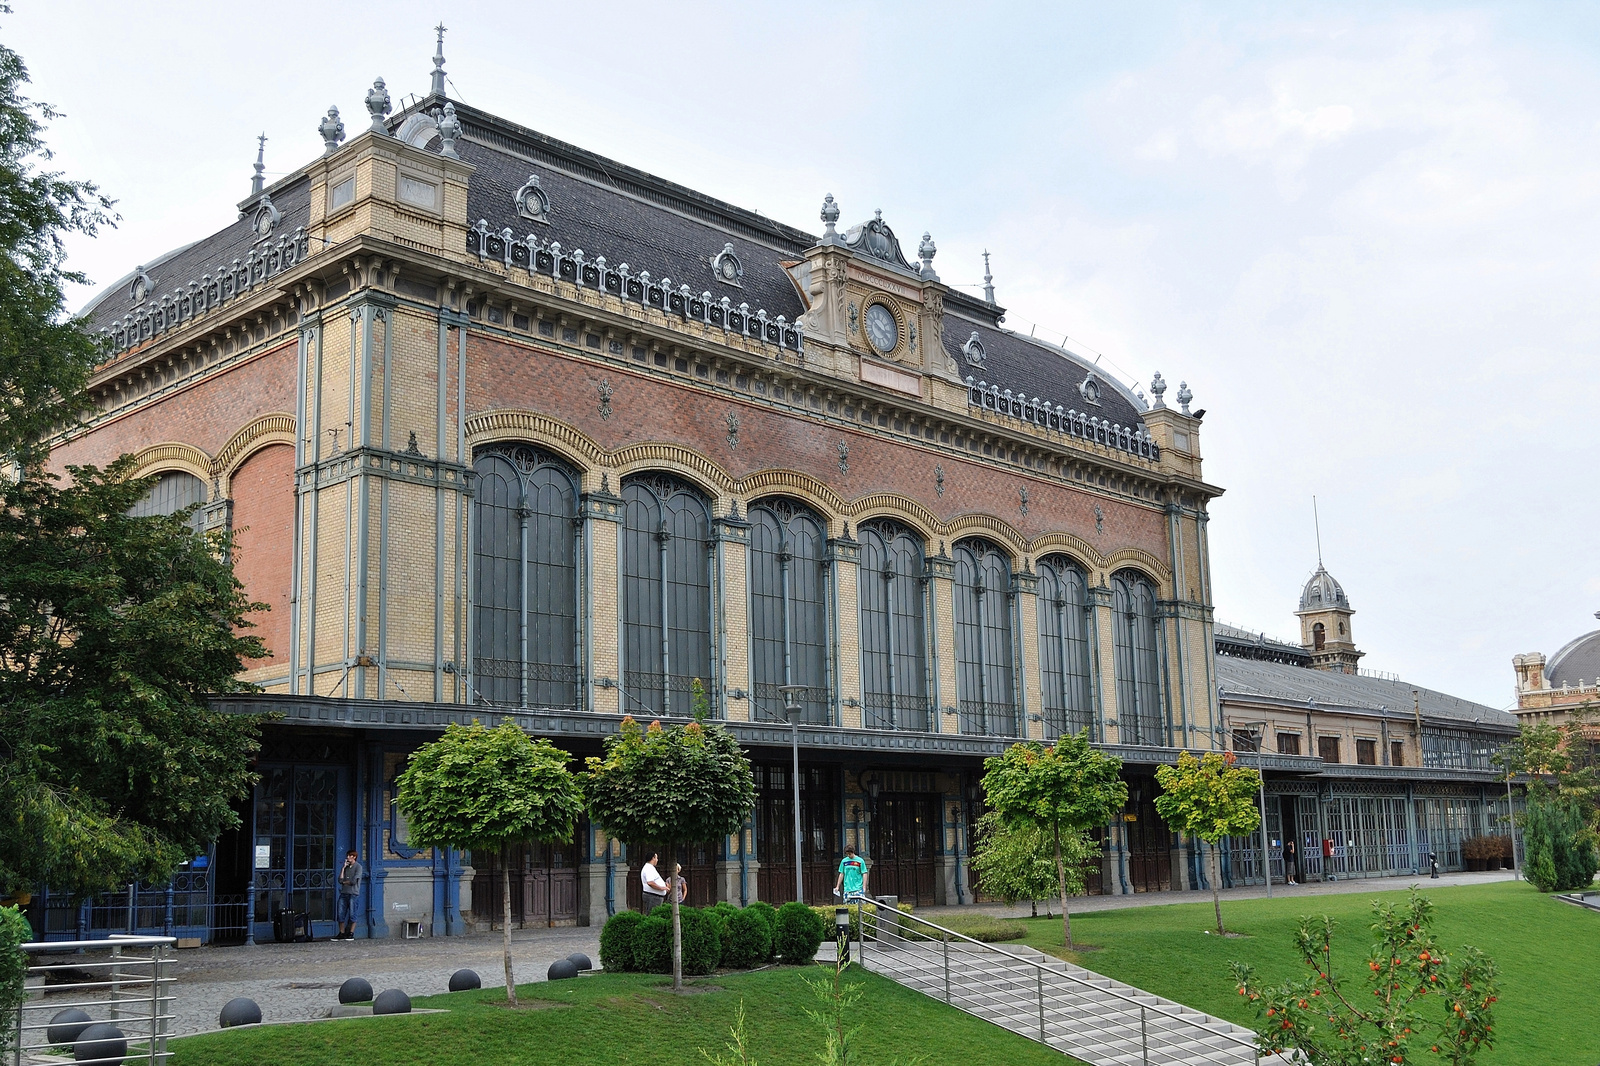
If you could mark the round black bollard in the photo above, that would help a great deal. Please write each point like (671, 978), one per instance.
(391, 1001)
(356, 990)
(562, 969)
(464, 980)
(580, 960)
(102, 1043)
(67, 1026)
(241, 1011)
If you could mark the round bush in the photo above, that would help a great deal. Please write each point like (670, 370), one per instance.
(799, 933)
(652, 945)
(239, 1011)
(561, 970)
(67, 1026)
(356, 990)
(580, 960)
(391, 1001)
(749, 941)
(767, 914)
(465, 980)
(102, 1043)
(702, 941)
(617, 941)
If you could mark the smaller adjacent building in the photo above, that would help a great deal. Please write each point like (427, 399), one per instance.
(1550, 691)
(1368, 774)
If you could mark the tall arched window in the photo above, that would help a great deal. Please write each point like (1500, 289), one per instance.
(524, 578)
(894, 670)
(985, 674)
(1139, 714)
(788, 619)
(665, 594)
(1319, 636)
(173, 491)
(1064, 621)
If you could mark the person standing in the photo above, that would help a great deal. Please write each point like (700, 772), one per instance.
(1291, 864)
(655, 889)
(349, 889)
(852, 876)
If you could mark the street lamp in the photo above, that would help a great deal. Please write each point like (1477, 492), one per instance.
(791, 711)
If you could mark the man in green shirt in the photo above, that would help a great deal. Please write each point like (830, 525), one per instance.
(852, 875)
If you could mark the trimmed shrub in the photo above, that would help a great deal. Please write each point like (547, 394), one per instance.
(702, 941)
(652, 944)
(616, 941)
(799, 933)
(14, 932)
(767, 914)
(749, 940)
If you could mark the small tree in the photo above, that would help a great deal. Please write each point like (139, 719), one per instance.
(1063, 789)
(1017, 864)
(672, 784)
(1210, 798)
(1560, 848)
(489, 789)
(1411, 996)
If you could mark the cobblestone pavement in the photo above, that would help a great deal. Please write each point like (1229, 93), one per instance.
(1084, 904)
(301, 981)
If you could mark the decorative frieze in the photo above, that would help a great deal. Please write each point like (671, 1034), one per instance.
(1092, 428)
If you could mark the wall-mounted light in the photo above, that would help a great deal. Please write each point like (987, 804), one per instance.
(605, 682)
(738, 694)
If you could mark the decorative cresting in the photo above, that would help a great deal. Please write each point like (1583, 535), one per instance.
(159, 315)
(539, 256)
(243, 442)
(1066, 421)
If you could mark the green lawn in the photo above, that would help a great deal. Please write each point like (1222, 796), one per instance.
(1548, 954)
(626, 1018)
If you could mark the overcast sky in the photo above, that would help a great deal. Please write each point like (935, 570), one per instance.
(1365, 235)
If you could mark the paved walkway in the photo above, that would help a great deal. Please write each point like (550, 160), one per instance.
(1084, 904)
(301, 981)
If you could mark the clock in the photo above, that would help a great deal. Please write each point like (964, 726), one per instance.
(882, 328)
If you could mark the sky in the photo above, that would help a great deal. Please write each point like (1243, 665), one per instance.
(1364, 234)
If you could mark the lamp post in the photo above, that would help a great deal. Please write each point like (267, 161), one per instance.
(1266, 855)
(1511, 827)
(791, 711)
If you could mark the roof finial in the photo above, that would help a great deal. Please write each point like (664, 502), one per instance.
(988, 279)
(259, 182)
(437, 88)
(1316, 523)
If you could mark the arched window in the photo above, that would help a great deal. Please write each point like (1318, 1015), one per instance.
(1064, 620)
(985, 673)
(1319, 636)
(173, 491)
(894, 670)
(665, 594)
(524, 578)
(1133, 604)
(788, 620)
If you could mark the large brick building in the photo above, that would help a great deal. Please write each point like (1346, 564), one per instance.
(504, 428)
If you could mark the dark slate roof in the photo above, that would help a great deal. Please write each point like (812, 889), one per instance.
(209, 255)
(1247, 644)
(1330, 689)
(1025, 365)
(1577, 663)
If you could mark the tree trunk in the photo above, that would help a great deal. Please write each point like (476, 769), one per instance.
(1061, 882)
(1216, 884)
(677, 925)
(505, 916)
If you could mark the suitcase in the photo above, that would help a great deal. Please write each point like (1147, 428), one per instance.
(291, 927)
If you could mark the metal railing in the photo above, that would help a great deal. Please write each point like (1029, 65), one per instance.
(125, 981)
(1088, 1017)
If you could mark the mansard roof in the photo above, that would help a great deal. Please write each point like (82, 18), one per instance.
(1577, 663)
(1299, 688)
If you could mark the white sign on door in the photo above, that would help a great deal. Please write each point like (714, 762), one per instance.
(263, 856)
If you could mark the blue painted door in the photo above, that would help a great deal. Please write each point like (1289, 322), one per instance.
(297, 820)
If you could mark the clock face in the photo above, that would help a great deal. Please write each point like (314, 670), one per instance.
(882, 329)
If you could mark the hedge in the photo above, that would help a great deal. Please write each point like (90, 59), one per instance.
(616, 941)
(749, 940)
(799, 934)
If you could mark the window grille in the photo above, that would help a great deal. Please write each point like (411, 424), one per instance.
(985, 671)
(788, 621)
(666, 594)
(894, 668)
(1064, 621)
(1139, 686)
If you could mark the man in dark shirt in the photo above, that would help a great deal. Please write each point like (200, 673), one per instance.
(349, 890)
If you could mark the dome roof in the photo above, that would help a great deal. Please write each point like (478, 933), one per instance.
(1323, 591)
(1578, 662)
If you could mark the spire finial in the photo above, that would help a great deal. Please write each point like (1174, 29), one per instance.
(259, 182)
(437, 89)
(988, 280)
(1316, 523)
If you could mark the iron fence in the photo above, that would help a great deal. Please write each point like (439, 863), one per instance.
(123, 984)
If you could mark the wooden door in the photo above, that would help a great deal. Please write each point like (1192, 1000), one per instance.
(1149, 839)
(905, 847)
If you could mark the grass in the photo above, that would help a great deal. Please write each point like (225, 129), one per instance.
(985, 927)
(627, 1018)
(1545, 950)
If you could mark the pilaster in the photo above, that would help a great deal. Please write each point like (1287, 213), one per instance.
(1103, 653)
(731, 607)
(941, 579)
(1025, 625)
(844, 564)
(602, 519)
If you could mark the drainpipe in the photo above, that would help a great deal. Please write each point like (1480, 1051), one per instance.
(611, 878)
(744, 862)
